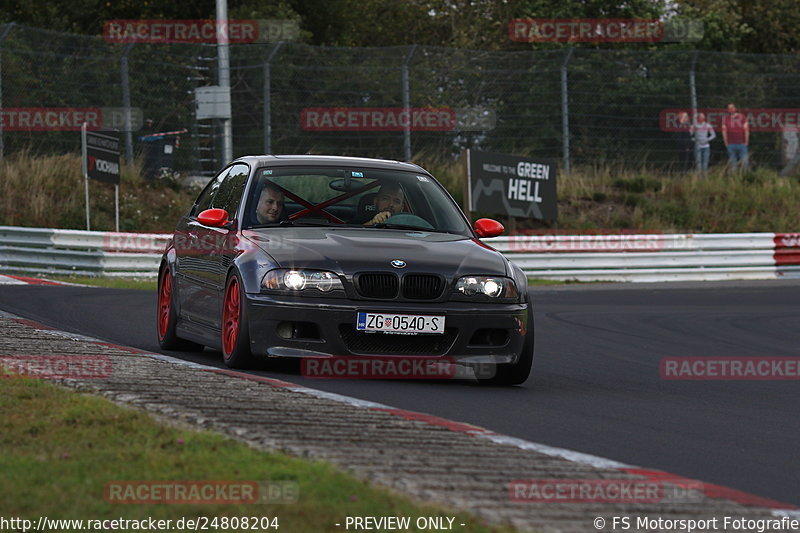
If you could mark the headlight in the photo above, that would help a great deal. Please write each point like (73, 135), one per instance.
(294, 280)
(493, 287)
(284, 279)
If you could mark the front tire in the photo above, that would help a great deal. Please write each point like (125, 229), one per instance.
(235, 329)
(167, 317)
(515, 373)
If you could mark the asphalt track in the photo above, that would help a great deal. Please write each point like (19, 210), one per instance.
(596, 386)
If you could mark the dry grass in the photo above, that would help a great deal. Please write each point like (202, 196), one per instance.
(600, 198)
(48, 191)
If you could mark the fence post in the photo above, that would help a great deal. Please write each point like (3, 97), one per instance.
(268, 99)
(693, 97)
(407, 104)
(126, 103)
(224, 76)
(6, 31)
(565, 111)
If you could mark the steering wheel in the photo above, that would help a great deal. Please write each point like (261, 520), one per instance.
(407, 219)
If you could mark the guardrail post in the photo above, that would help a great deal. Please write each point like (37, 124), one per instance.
(6, 31)
(268, 98)
(565, 111)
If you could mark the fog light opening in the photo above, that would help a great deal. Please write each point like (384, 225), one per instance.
(285, 330)
(489, 337)
(298, 330)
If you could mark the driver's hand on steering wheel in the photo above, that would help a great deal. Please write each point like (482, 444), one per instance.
(380, 218)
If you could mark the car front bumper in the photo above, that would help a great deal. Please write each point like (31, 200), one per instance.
(325, 327)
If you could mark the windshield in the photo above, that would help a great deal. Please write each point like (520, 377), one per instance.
(351, 197)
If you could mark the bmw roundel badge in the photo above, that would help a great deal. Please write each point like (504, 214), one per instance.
(399, 263)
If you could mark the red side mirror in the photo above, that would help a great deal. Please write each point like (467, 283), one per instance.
(486, 227)
(216, 218)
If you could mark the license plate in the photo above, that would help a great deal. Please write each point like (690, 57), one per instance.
(392, 323)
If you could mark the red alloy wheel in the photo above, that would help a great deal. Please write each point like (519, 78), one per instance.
(164, 297)
(230, 317)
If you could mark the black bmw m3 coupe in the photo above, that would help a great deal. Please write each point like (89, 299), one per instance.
(324, 257)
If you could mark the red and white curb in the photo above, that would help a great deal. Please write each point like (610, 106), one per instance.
(712, 491)
(23, 280)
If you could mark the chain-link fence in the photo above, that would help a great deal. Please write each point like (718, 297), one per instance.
(574, 106)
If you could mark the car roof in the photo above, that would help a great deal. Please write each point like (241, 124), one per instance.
(327, 160)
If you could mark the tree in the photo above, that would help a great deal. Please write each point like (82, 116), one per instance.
(758, 26)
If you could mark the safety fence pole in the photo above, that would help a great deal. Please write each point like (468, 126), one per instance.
(565, 111)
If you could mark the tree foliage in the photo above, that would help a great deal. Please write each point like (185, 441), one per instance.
(760, 26)
(757, 26)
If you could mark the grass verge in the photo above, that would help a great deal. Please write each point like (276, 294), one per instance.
(535, 282)
(144, 284)
(58, 449)
(604, 198)
(47, 191)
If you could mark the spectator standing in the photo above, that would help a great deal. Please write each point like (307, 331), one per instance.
(736, 134)
(703, 133)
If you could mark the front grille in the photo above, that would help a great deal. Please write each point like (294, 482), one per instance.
(422, 286)
(361, 343)
(377, 285)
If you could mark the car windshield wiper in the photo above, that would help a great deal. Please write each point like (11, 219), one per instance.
(384, 225)
(286, 223)
(301, 223)
(272, 224)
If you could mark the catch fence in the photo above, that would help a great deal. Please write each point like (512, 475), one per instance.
(573, 106)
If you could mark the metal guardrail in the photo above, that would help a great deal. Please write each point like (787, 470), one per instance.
(597, 257)
(83, 253)
(653, 257)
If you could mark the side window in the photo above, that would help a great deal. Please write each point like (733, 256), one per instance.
(229, 193)
(204, 200)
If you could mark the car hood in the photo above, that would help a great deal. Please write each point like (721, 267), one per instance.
(350, 250)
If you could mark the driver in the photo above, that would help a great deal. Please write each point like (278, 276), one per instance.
(388, 202)
(270, 205)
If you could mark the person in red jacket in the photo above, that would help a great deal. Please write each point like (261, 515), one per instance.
(736, 134)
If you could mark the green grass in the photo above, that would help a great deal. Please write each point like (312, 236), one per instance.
(143, 284)
(58, 449)
(535, 282)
